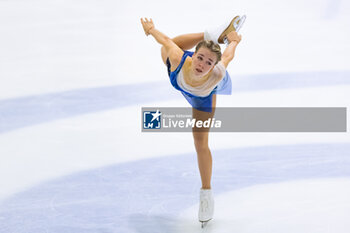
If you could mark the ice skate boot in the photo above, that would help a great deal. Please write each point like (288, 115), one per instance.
(218, 35)
(206, 207)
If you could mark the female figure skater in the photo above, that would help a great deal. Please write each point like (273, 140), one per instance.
(200, 76)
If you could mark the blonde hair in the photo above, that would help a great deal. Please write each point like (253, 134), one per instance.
(213, 47)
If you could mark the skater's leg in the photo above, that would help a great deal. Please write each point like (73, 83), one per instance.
(200, 136)
(188, 41)
(204, 158)
(185, 42)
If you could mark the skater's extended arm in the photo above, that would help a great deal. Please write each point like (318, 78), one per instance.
(229, 52)
(174, 52)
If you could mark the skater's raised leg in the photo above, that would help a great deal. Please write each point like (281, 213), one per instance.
(185, 42)
(188, 41)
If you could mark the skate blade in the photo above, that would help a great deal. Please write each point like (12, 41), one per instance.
(229, 29)
(240, 22)
(204, 223)
(238, 26)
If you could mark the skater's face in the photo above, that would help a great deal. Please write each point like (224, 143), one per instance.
(203, 61)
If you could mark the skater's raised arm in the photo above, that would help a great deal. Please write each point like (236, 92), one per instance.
(229, 52)
(174, 52)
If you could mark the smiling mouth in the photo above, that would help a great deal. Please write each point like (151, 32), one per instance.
(198, 70)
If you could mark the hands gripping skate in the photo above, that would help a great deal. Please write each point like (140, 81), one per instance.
(218, 34)
(237, 25)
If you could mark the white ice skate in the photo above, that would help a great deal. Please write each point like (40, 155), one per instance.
(206, 206)
(218, 35)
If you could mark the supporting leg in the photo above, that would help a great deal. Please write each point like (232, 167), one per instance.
(200, 136)
(205, 164)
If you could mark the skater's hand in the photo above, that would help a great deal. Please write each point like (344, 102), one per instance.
(233, 36)
(147, 25)
(229, 52)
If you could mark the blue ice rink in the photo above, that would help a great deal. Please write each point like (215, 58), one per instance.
(74, 76)
(148, 195)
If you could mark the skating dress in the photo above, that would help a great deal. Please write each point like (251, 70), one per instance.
(201, 97)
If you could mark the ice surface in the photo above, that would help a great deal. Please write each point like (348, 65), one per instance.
(73, 79)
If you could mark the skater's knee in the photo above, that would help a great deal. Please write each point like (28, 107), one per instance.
(201, 141)
(164, 54)
(202, 149)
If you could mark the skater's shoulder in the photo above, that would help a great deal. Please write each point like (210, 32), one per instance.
(219, 70)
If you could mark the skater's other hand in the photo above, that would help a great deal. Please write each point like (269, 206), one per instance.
(233, 36)
(147, 25)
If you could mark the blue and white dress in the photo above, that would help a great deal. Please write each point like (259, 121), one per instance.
(201, 97)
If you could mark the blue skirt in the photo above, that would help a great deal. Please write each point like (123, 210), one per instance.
(198, 102)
